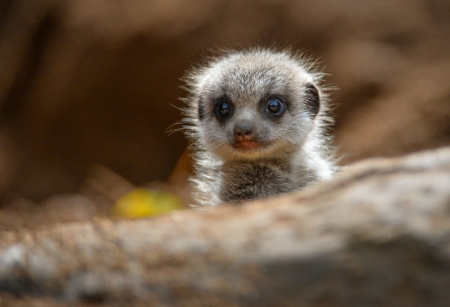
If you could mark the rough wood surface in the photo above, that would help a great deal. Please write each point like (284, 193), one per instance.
(378, 235)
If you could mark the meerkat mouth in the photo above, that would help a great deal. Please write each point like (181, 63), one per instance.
(248, 145)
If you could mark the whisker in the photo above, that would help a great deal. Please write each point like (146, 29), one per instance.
(178, 108)
(171, 130)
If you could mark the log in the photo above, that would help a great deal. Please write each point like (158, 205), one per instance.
(377, 235)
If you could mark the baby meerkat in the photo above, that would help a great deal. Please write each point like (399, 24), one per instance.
(257, 120)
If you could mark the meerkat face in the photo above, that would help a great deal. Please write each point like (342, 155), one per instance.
(255, 105)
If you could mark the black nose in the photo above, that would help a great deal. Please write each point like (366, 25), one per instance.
(243, 128)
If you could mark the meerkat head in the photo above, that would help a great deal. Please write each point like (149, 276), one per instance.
(254, 104)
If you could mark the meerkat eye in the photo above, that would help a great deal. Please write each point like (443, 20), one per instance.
(222, 109)
(275, 106)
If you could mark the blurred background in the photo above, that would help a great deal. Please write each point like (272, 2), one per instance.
(89, 87)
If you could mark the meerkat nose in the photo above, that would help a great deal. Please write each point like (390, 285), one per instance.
(243, 130)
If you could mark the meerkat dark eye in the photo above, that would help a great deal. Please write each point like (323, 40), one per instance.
(222, 109)
(275, 107)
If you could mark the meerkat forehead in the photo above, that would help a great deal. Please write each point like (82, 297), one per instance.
(250, 75)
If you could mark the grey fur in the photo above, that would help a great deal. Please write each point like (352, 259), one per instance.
(295, 150)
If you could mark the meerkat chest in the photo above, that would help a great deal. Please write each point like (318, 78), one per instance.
(247, 180)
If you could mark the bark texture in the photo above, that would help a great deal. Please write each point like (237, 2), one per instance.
(377, 235)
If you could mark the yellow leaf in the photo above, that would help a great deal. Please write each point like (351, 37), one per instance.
(141, 202)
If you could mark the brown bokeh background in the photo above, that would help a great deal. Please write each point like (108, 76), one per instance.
(94, 84)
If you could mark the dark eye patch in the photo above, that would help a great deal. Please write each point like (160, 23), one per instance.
(223, 108)
(275, 106)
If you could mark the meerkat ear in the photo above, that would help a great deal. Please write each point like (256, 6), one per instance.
(312, 100)
(201, 108)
